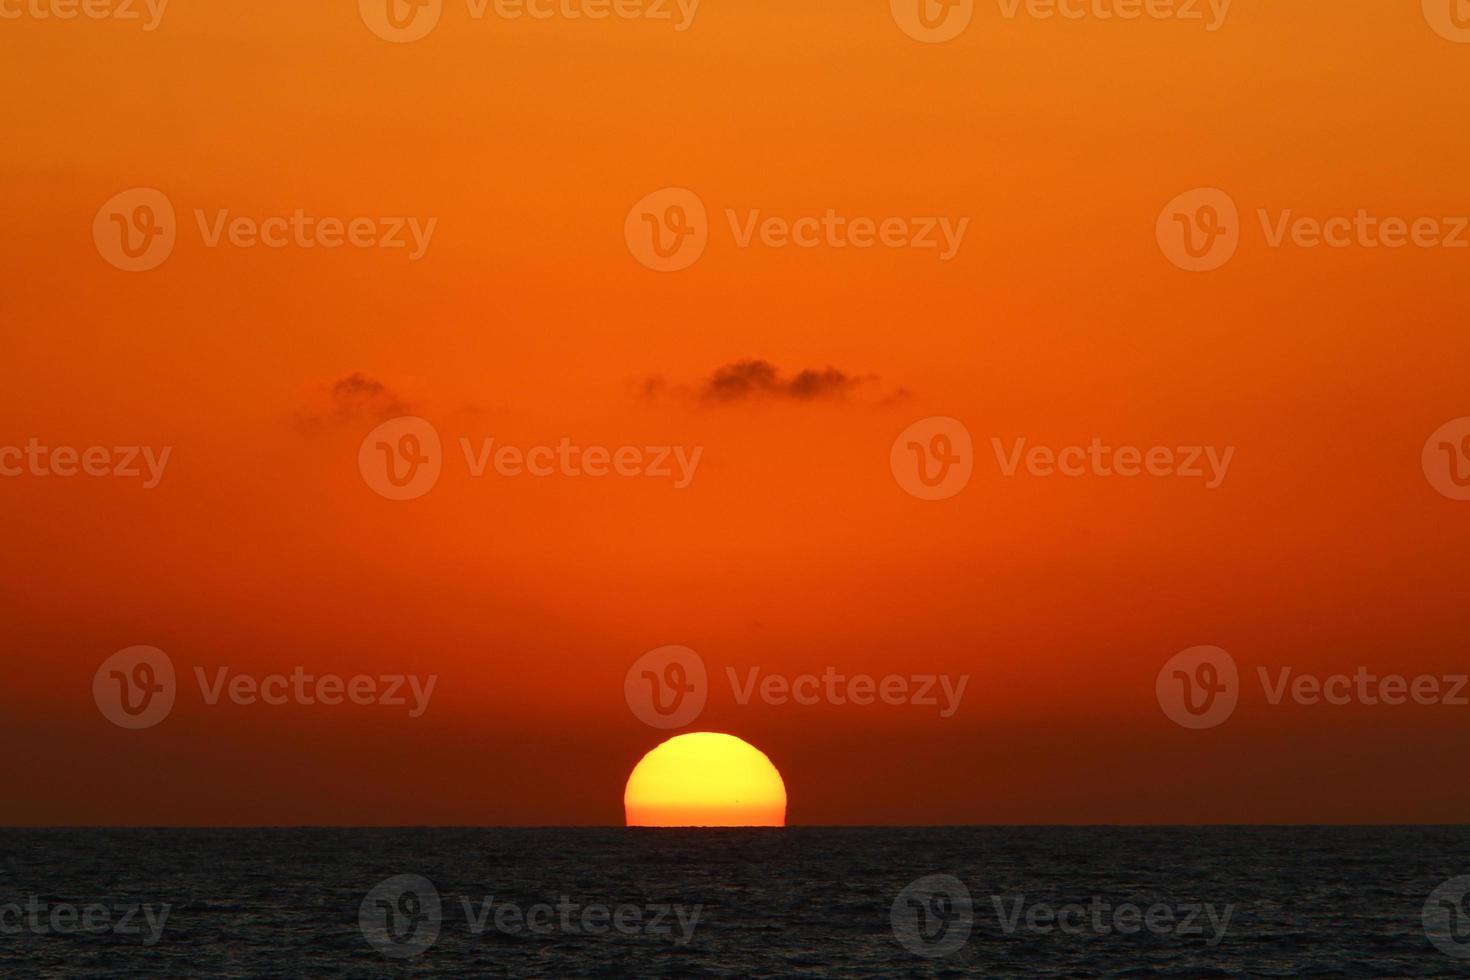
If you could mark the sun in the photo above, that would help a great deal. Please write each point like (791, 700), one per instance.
(705, 779)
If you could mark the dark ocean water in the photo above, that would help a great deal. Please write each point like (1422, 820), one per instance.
(566, 903)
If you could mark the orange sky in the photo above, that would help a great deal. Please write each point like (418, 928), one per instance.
(794, 549)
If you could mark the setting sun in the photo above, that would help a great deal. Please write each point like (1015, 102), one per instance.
(705, 779)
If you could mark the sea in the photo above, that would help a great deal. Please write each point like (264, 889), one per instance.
(1189, 902)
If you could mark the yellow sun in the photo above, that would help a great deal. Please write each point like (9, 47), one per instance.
(704, 779)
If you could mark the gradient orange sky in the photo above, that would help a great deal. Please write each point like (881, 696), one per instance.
(794, 549)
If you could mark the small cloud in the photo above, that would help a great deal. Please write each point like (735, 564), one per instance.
(897, 397)
(819, 384)
(741, 379)
(353, 399)
(756, 378)
(357, 395)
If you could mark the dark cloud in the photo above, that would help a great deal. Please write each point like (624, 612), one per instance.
(755, 378)
(741, 379)
(352, 399)
(358, 392)
(818, 384)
